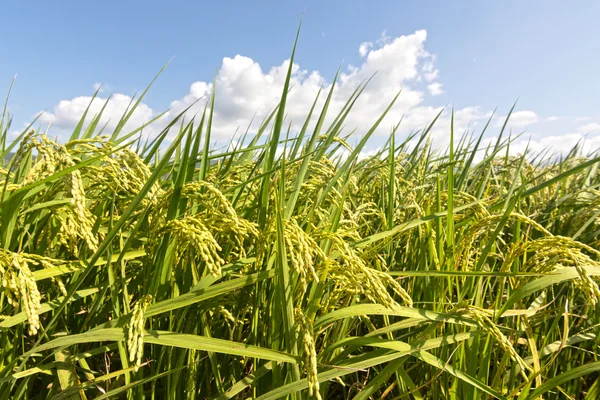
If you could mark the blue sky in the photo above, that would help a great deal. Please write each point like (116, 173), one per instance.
(479, 56)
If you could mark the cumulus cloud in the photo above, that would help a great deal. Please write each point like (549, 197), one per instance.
(391, 65)
(67, 113)
(556, 145)
(13, 133)
(429, 71)
(519, 119)
(549, 146)
(246, 90)
(435, 88)
(364, 48)
(590, 128)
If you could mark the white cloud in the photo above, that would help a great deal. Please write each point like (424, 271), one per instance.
(590, 128)
(435, 88)
(364, 48)
(519, 119)
(102, 87)
(370, 153)
(550, 146)
(557, 145)
(394, 64)
(245, 90)
(67, 113)
(429, 71)
(554, 118)
(13, 133)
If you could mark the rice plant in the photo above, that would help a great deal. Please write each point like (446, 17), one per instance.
(139, 270)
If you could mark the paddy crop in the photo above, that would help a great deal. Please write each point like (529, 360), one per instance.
(167, 269)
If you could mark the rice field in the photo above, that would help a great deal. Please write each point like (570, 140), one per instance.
(167, 269)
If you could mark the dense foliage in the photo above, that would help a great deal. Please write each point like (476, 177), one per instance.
(141, 270)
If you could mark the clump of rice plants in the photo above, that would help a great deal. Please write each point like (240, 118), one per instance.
(136, 270)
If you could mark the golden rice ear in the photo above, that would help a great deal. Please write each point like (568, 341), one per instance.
(135, 335)
(485, 323)
(29, 295)
(305, 327)
(304, 253)
(352, 276)
(192, 234)
(20, 287)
